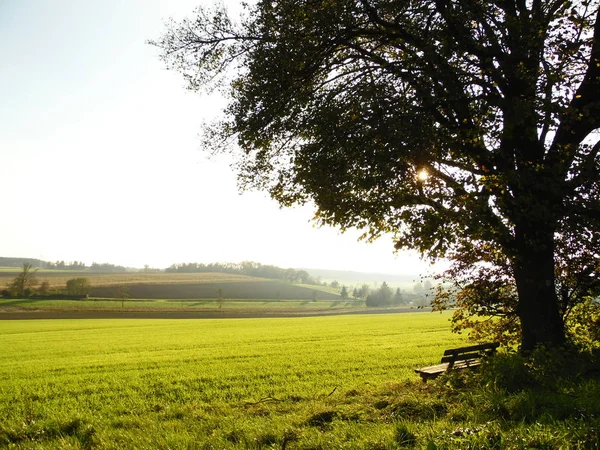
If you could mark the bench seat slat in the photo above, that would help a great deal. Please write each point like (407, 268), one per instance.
(461, 357)
(438, 368)
(471, 348)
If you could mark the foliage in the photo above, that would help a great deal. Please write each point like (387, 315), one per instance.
(123, 294)
(22, 284)
(344, 293)
(363, 291)
(481, 288)
(44, 288)
(249, 268)
(18, 262)
(382, 297)
(584, 325)
(61, 265)
(78, 286)
(460, 127)
(398, 298)
(106, 268)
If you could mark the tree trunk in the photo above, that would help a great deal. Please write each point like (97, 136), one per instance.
(533, 267)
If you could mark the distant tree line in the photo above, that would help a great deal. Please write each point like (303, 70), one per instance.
(385, 296)
(249, 268)
(77, 265)
(61, 265)
(107, 268)
(26, 285)
(18, 262)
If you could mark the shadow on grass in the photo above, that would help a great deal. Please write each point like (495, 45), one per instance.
(550, 400)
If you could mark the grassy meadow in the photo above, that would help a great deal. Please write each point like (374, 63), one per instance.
(247, 289)
(339, 382)
(59, 278)
(248, 383)
(224, 307)
(180, 285)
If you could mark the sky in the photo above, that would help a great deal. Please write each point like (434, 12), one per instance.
(100, 157)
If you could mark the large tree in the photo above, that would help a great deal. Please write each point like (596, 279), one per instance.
(23, 283)
(463, 127)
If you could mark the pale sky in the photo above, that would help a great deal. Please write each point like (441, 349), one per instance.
(100, 159)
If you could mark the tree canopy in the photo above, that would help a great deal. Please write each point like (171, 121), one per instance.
(24, 282)
(466, 129)
(78, 286)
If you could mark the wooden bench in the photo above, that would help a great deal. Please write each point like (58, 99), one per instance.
(458, 358)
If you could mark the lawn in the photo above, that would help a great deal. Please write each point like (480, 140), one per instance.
(222, 383)
(340, 382)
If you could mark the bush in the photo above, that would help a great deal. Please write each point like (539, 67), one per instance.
(583, 325)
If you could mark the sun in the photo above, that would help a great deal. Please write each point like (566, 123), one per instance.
(422, 175)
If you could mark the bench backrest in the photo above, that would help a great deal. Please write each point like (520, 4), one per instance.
(465, 353)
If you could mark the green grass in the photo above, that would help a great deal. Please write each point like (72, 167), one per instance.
(297, 383)
(164, 383)
(292, 307)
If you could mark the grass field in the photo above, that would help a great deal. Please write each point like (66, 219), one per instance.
(319, 383)
(181, 285)
(253, 289)
(310, 382)
(58, 278)
(259, 307)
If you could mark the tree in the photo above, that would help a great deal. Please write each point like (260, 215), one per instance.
(22, 284)
(418, 288)
(363, 291)
(398, 299)
(303, 276)
(344, 293)
(123, 294)
(460, 127)
(44, 288)
(489, 290)
(381, 297)
(78, 286)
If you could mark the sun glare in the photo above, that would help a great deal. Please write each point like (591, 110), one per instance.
(422, 175)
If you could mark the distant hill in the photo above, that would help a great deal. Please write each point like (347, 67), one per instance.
(259, 289)
(17, 262)
(353, 278)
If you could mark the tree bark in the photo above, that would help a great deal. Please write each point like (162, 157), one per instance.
(533, 268)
